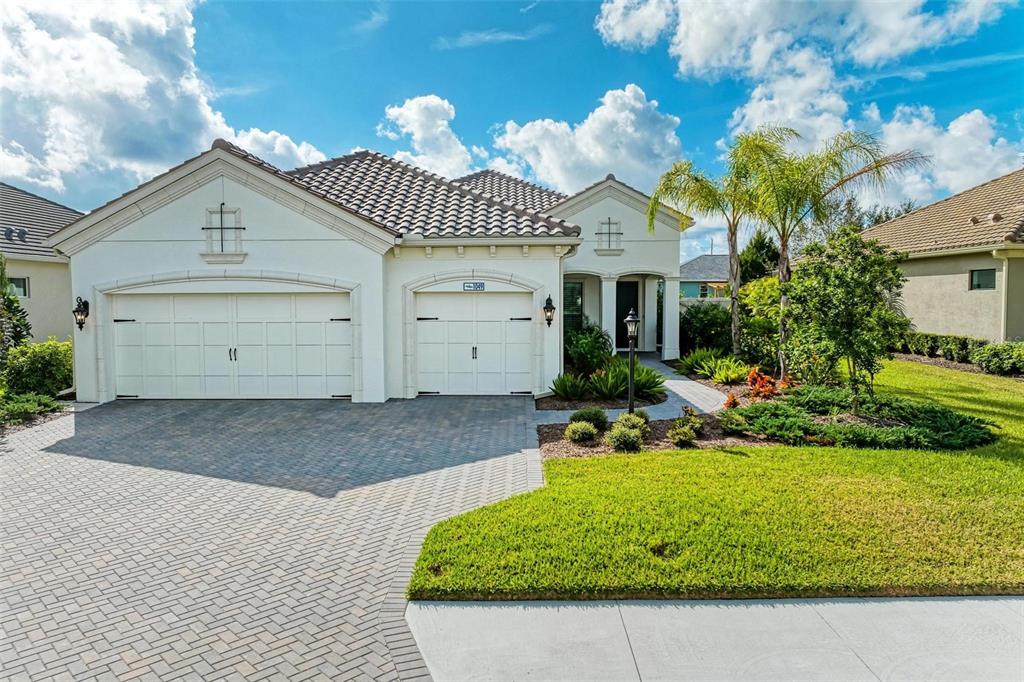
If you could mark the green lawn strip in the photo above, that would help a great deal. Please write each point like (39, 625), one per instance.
(757, 521)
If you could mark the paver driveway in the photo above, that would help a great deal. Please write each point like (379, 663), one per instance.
(229, 539)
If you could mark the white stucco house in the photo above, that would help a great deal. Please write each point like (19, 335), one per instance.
(360, 277)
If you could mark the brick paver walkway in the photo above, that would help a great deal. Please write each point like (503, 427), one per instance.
(236, 540)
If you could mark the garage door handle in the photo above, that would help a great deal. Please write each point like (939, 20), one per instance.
(474, 352)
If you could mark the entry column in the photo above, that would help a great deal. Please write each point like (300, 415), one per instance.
(649, 337)
(608, 321)
(670, 320)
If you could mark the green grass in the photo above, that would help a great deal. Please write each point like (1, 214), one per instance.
(758, 521)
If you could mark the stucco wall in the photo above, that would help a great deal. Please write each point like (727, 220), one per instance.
(276, 238)
(938, 299)
(49, 302)
(1015, 299)
(409, 269)
(642, 252)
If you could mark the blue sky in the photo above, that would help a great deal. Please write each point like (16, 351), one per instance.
(558, 92)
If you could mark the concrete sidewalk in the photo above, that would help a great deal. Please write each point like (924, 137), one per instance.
(948, 638)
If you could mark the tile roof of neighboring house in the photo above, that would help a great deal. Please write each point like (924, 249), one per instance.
(38, 217)
(416, 202)
(512, 190)
(706, 268)
(964, 220)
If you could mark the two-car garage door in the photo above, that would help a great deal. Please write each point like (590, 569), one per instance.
(233, 345)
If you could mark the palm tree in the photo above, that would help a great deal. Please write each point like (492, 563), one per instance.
(791, 189)
(728, 198)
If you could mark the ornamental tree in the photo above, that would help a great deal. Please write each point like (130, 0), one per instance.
(845, 298)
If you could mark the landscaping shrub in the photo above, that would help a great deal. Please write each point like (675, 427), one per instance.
(731, 401)
(1000, 358)
(692, 420)
(762, 386)
(610, 382)
(44, 368)
(588, 349)
(887, 421)
(647, 383)
(779, 421)
(595, 416)
(705, 325)
(688, 363)
(727, 370)
(642, 413)
(732, 422)
(682, 434)
(580, 432)
(570, 387)
(624, 439)
(949, 346)
(633, 421)
(17, 408)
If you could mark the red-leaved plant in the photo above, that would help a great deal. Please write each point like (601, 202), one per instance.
(731, 401)
(762, 386)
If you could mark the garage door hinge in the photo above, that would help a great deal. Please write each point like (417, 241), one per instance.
(122, 319)
(428, 393)
(125, 395)
(527, 319)
(341, 319)
(522, 392)
(426, 318)
(342, 395)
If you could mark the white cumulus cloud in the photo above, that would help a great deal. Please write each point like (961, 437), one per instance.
(626, 134)
(426, 120)
(964, 153)
(99, 96)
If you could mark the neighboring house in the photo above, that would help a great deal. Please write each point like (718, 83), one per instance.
(38, 274)
(361, 276)
(966, 267)
(705, 276)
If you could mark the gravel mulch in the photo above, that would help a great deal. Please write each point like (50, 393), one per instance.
(554, 446)
(555, 403)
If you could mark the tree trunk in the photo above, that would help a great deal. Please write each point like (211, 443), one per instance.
(784, 275)
(734, 288)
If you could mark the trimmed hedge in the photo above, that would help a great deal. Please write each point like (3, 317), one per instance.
(949, 346)
(1001, 358)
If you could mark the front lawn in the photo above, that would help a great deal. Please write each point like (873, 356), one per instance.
(758, 521)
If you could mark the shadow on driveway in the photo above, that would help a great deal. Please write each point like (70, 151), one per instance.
(316, 446)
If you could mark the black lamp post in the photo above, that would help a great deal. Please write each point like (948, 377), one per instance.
(80, 311)
(631, 324)
(549, 311)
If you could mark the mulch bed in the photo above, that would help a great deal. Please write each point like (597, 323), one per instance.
(555, 403)
(554, 446)
(939, 362)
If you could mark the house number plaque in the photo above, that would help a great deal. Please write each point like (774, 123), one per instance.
(472, 286)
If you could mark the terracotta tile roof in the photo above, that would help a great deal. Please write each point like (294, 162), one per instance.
(413, 201)
(987, 215)
(512, 190)
(27, 219)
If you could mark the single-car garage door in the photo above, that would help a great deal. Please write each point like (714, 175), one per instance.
(233, 345)
(474, 343)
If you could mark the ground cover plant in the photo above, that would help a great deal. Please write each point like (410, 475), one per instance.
(822, 415)
(770, 521)
(18, 408)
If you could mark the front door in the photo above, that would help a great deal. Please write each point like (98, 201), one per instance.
(627, 297)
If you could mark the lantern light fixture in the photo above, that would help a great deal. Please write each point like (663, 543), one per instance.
(549, 311)
(80, 311)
